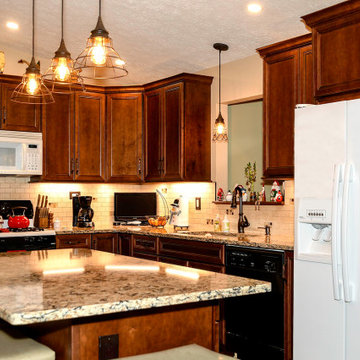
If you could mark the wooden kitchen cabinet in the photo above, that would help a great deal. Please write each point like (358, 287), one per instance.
(73, 241)
(124, 147)
(58, 139)
(288, 80)
(16, 116)
(335, 32)
(124, 244)
(143, 243)
(89, 137)
(107, 242)
(177, 129)
(74, 138)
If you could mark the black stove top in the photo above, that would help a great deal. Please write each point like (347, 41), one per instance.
(25, 229)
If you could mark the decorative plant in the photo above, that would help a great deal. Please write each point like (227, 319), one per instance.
(250, 174)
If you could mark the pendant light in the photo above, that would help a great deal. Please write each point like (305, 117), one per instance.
(220, 131)
(99, 60)
(61, 76)
(32, 90)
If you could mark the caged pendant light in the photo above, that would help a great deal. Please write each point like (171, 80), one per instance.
(220, 131)
(99, 60)
(61, 76)
(32, 90)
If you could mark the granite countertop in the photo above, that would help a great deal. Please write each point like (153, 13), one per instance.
(251, 239)
(48, 285)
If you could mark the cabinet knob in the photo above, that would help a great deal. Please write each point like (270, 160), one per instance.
(139, 166)
(77, 162)
(72, 166)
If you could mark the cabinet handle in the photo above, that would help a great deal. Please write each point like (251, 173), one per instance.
(4, 114)
(72, 166)
(139, 166)
(77, 166)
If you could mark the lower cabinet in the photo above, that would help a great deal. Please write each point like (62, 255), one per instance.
(107, 242)
(124, 242)
(73, 241)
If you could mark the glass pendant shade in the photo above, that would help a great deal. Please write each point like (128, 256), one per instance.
(99, 60)
(32, 89)
(61, 77)
(220, 131)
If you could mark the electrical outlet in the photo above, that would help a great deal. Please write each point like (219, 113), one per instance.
(74, 193)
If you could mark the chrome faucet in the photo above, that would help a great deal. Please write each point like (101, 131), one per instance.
(243, 221)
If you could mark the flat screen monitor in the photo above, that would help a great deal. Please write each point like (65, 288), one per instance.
(134, 205)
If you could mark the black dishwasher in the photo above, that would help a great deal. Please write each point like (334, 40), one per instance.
(255, 323)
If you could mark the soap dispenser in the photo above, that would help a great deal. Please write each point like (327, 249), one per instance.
(226, 224)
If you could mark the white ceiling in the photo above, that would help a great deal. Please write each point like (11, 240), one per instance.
(158, 38)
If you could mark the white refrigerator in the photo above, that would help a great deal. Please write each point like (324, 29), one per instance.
(327, 232)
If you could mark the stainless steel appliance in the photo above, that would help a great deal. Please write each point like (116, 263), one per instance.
(20, 153)
(255, 324)
(86, 213)
(23, 239)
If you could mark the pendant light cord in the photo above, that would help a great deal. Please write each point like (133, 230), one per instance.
(62, 19)
(220, 81)
(33, 28)
(99, 8)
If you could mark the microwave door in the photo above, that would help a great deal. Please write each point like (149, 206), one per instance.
(11, 157)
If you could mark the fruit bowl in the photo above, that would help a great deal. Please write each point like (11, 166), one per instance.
(159, 221)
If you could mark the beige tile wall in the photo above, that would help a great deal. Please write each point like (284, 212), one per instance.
(281, 217)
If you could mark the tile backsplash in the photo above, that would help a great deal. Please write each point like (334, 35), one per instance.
(282, 217)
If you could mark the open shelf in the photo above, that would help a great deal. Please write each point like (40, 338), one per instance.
(249, 203)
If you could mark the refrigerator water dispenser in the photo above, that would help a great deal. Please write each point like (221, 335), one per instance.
(313, 229)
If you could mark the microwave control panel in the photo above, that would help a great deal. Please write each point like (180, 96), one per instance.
(33, 158)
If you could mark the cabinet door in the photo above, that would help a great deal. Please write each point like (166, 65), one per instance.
(124, 137)
(90, 137)
(207, 267)
(281, 95)
(73, 241)
(16, 116)
(124, 244)
(153, 142)
(173, 125)
(306, 75)
(58, 137)
(105, 242)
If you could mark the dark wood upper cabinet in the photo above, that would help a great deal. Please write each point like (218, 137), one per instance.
(58, 138)
(177, 129)
(124, 130)
(287, 82)
(90, 136)
(16, 116)
(336, 46)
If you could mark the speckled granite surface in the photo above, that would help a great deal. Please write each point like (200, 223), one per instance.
(47, 285)
(281, 242)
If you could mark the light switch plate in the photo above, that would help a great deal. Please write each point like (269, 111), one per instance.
(198, 203)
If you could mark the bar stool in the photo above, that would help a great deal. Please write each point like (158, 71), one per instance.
(15, 346)
(187, 352)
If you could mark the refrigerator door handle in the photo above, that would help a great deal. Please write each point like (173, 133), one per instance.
(335, 233)
(348, 177)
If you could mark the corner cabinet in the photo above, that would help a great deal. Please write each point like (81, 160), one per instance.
(16, 116)
(74, 138)
(177, 129)
(288, 80)
(124, 130)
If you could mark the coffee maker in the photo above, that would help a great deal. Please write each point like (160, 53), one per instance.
(82, 212)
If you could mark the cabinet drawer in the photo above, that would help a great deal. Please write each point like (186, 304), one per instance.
(192, 250)
(148, 244)
(73, 241)
(145, 256)
(169, 260)
(208, 267)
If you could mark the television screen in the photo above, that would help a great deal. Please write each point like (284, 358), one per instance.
(134, 205)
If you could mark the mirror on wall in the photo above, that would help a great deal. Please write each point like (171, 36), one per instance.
(245, 126)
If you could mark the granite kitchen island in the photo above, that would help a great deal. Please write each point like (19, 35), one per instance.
(87, 304)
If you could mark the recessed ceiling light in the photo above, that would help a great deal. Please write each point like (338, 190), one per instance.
(254, 8)
(12, 25)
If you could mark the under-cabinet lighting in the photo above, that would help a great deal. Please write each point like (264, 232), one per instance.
(132, 267)
(254, 8)
(12, 25)
(63, 271)
(188, 274)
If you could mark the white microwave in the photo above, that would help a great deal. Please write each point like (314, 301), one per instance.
(20, 153)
